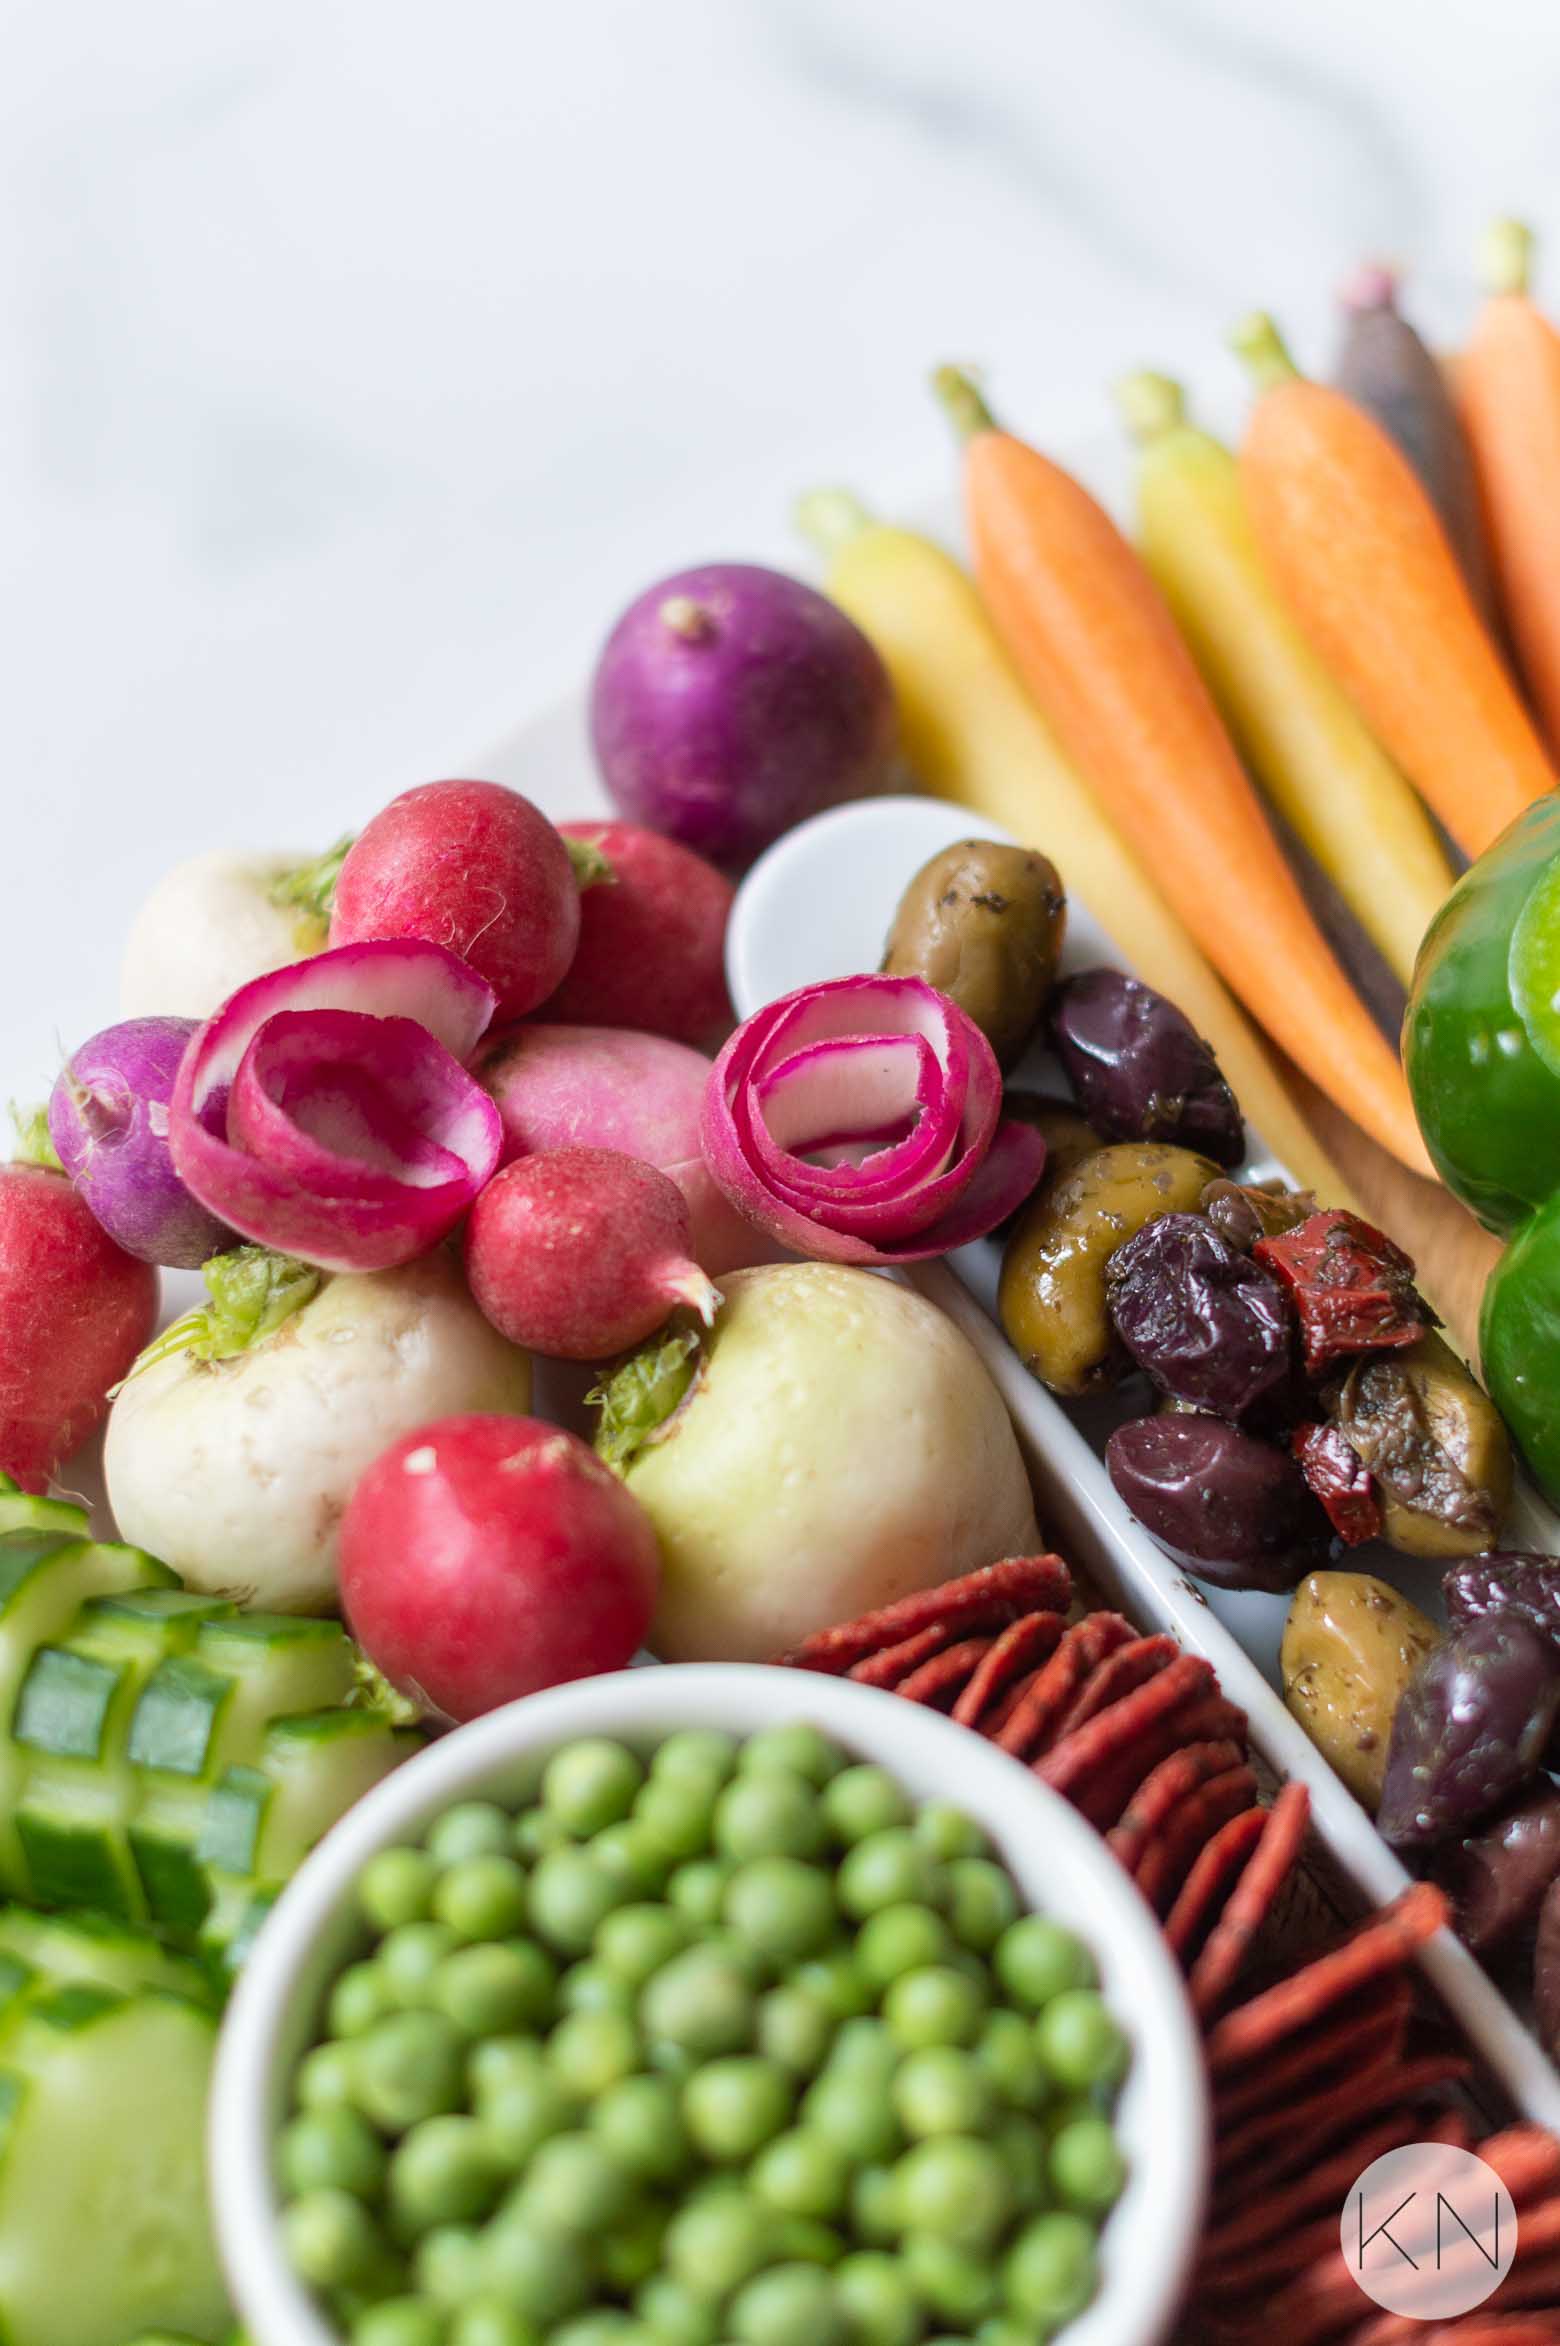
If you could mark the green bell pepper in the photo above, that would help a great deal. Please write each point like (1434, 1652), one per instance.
(1481, 1048)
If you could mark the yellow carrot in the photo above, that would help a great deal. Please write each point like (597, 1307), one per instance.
(972, 734)
(1322, 768)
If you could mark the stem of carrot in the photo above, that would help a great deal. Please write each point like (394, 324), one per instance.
(830, 518)
(1150, 405)
(966, 409)
(1506, 257)
(1258, 343)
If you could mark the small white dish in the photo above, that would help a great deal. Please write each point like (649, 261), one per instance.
(1060, 1864)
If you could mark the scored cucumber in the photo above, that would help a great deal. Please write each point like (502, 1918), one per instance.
(92, 1948)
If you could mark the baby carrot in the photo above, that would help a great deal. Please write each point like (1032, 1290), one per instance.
(1508, 383)
(1354, 545)
(1094, 639)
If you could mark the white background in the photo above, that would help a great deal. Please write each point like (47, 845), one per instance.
(359, 359)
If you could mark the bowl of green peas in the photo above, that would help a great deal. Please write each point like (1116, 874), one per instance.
(709, 2005)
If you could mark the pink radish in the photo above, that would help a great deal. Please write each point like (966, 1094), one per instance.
(652, 939)
(583, 1253)
(75, 1309)
(473, 867)
(561, 1087)
(483, 1558)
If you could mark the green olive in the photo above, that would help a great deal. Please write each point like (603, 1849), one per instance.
(1437, 1446)
(1052, 1293)
(1351, 1644)
(984, 925)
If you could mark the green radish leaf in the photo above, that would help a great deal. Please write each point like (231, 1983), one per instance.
(311, 888)
(592, 867)
(374, 1692)
(643, 1392)
(253, 1293)
(33, 1145)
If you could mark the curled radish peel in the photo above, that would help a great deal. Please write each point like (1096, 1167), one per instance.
(324, 1110)
(861, 1122)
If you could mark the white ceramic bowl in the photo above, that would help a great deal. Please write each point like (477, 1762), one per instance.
(1060, 1864)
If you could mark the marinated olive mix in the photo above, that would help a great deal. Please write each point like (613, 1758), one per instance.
(984, 924)
(740, 2044)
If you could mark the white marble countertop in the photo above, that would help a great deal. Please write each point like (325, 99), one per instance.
(358, 358)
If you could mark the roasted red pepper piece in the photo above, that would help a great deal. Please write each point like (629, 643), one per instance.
(1353, 1289)
(1341, 1480)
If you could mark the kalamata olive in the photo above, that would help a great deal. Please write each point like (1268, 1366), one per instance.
(1497, 1877)
(1203, 1319)
(1351, 1645)
(984, 923)
(1470, 1730)
(1243, 1212)
(1434, 1441)
(1230, 1508)
(1506, 1581)
(1140, 1070)
(1051, 1298)
(1546, 1972)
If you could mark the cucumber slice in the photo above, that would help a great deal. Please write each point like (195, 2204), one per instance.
(91, 1947)
(316, 1767)
(103, 2224)
(21, 1511)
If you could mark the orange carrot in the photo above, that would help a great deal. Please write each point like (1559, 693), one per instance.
(1356, 548)
(1508, 387)
(1095, 641)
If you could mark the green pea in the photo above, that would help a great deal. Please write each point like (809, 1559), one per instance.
(948, 1833)
(772, 1814)
(864, 1800)
(629, 1852)
(880, 2305)
(942, 2090)
(1025, 2147)
(797, 1746)
(863, 2043)
(782, 1906)
(409, 2067)
(790, 2305)
(802, 2173)
(410, 1956)
(795, 2029)
(1079, 2041)
(874, 2206)
(641, 2123)
(604, 2326)
(837, 1982)
(536, 1830)
(715, 2243)
(590, 2051)
(482, 1897)
(936, 2005)
(488, 2321)
(1050, 2272)
(448, 2265)
(396, 1887)
(574, 2184)
(544, 2276)
(331, 2239)
(590, 1987)
(335, 2148)
(734, 2106)
(488, 1990)
(955, 2188)
(673, 2314)
(324, 2079)
(522, 2114)
(358, 1999)
(631, 2250)
(591, 1783)
(399, 2321)
(474, 1828)
(444, 2172)
(1036, 1960)
(637, 1940)
(806, 2240)
(890, 1868)
(498, 2061)
(698, 1890)
(1087, 2170)
(677, 1813)
(571, 1897)
(898, 1939)
(1005, 2050)
(1000, 2330)
(954, 2282)
(697, 1751)
(701, 2001)
(982, 1902)
(854, 2110)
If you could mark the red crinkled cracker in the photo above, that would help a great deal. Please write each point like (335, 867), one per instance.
(1069, 1765)
(1388, 1940)
(1251, 1901)
(1184, 1769)
(1128, 1667)
(1207, 1718)
(1321, 2186)
(1208, 1881)
(1269, 2147)
(987, 1599)
(1352, 1289)
(1377, 2018)
(1341, 1480)
(1191, 1824)
(1082, 1649)
(892, 1662)
(1012, 1656)
(936, 1682)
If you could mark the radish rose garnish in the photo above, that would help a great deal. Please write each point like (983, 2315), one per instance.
(861, 1122)
(324, 1110)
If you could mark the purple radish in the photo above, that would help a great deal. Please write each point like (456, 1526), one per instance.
(602, 1087)
(108, 1120)
(731, 702)
(582, 1254)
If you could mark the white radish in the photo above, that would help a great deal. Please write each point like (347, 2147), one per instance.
(215, 922)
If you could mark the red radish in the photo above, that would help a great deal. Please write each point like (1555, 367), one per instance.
(583, 1253)
(560, 1087)
(473, 867)
(652, 939)
(485, 1557)
(75, 1309)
